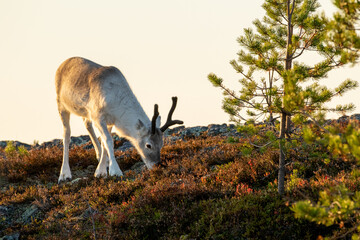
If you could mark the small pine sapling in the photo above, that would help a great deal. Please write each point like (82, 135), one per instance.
(279, 77)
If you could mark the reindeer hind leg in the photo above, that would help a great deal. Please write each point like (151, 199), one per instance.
(94, 139)
(107, 149)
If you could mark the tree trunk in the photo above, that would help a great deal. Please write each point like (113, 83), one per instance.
(288, 125)
(285, 118)
(281, 174)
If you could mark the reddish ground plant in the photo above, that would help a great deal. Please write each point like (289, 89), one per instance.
(207, 188)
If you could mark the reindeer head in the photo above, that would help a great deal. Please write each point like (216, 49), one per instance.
(151, 139)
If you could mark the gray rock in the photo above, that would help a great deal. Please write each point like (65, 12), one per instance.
(126, 146)
(172, 139)
(14, 236)
(216, 126)
(88, 146)
(193, 131)
(80, 140)
(138, 167)
(343, 119)
(77, 180)
(77, 141)
(3, 144)
(52, 143)
(355, 117)
(217, 129)
(29, 214)
(17, 144)
(174, 130)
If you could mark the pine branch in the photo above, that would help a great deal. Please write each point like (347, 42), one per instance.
(293, 8)
(232, 94)
(351, 230)
(316, 122)
(283, 16)
(307, 43)
(260, 146)
(281, 23)
(239, 116)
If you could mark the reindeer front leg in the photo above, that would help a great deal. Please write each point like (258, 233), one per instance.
(101, 170)
(65, 172)
(107, 148)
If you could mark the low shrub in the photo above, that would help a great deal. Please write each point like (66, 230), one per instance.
(207, 189)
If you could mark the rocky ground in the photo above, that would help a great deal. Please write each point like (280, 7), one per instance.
(171, 135)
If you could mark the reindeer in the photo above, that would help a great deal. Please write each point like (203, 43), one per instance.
(103, 98)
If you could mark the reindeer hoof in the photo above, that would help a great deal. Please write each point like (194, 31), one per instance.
(115, 171)
(63, 179)
(100, 173)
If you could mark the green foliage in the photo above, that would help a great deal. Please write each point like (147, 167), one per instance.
(22, 151)
(335, 206)
(215, 80)
(248, 129)
(232, 140)
(247, 150)
(341, 30)
(308, 134)
(275, 80)
(266, 49)
(10, 149)
(346, 141)
(294, 181)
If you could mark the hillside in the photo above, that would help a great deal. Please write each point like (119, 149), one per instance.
(214, 185)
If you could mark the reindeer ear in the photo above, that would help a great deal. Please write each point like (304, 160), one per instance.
(139, 125)
(158, 122)
(142, 129)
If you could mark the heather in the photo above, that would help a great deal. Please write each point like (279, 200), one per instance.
(211, 186)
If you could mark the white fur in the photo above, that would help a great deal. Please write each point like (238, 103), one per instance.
(103, 98)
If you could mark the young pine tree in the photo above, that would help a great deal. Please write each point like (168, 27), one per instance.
(340, 206)
(281, 62)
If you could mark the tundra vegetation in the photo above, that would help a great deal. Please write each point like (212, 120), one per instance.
(210, 187)
(223, 186)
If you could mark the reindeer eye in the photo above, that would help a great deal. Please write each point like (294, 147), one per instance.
(148, 146)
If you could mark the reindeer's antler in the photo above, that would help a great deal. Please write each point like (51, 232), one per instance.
(169, 121)
(153, 121)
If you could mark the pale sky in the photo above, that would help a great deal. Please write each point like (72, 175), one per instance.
(164, 48)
